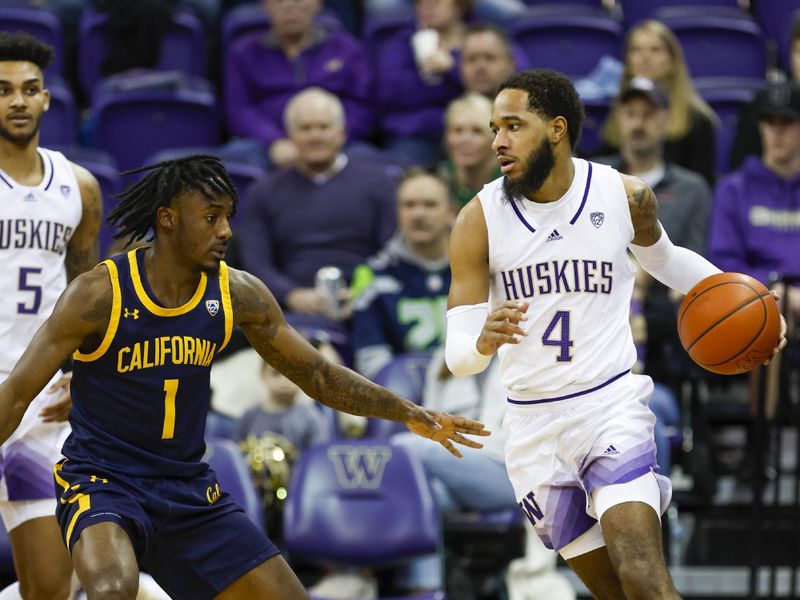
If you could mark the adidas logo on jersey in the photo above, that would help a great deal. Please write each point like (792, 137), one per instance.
(554, 236)
(30, 197)
(611, 451)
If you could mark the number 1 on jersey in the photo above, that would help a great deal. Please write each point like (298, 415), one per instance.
(564, 342)
(170, 391)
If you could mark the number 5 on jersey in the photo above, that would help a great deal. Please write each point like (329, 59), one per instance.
(170, 391)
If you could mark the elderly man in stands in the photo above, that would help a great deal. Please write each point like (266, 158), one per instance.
(327, 210)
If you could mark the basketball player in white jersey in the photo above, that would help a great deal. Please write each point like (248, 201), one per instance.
(541, 275)
(50, 214)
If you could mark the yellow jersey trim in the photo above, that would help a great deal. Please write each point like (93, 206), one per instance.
(84, 504)
(154, 308)
(227, 306)
(113, 322)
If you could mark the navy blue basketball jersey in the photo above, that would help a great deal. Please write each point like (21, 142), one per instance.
(140, 400)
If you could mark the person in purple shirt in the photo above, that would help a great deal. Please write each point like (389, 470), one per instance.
(325, 210)
(417, 75)
(263, 71)
(755, 224)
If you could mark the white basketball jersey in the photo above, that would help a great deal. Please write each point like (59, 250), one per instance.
(36, 223)
(569, 260)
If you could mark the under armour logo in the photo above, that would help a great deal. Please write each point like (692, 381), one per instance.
(95, 478)
(131, 313)
(359, 466)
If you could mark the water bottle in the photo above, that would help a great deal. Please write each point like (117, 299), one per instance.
(330, 284)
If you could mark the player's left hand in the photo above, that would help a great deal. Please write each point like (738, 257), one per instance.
(58, 410)
(446, 429)
(782, 339)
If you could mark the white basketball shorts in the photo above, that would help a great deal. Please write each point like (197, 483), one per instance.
(26, 464)
(559, 452)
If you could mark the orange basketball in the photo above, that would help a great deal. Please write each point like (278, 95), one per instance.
(729, 323)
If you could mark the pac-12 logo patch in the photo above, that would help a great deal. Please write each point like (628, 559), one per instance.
(597, 218)
(212, 306)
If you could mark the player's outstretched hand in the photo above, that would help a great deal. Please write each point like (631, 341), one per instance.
(503, 327)
(781, 340)
(58, 410)
(446, 429)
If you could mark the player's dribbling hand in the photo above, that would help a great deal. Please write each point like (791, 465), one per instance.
(59, 410)
(446, 429)
(502, 327)
(782, 339)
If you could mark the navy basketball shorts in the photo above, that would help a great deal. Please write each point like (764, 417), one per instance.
(187, 533)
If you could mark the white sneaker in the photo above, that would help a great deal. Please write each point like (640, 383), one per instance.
(347, 585)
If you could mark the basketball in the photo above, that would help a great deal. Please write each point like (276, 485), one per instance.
(729, 323)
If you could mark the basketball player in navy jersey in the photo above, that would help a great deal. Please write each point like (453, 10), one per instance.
(541, 275)
(144, 328)
(50, 214)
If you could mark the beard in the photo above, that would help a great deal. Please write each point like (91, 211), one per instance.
(21, 139)
(540, 164)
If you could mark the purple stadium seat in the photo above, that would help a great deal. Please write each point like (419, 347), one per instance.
(777, 18)
(360, 503)
(719, 46)
(183, 49)
(570, 43)
(634, 11)
(224, 457)
(247, 18)
(60, 123)
(596, 113)
(42, 25)
(134, 125)
(219, 425)
(103, 166)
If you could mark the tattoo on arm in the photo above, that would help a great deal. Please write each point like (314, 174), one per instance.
(644, 214)
(101, 311)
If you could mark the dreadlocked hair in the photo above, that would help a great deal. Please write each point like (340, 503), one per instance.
(135, 214)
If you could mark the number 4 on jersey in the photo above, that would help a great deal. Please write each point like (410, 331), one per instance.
(564, 342)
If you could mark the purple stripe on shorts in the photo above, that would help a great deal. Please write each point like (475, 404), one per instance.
(567, 508)
(620, 468)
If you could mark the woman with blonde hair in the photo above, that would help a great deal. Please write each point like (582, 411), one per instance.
(653, 51)
(471, 162)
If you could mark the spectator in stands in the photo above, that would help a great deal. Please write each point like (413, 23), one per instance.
(755, 224)
(470, 162)
(263, 71)
(401, 293)
(283, 411)
(496, 11)
(487, 59)
(325, 210)
(455, 488)
(642, 128)
(417, 75)
(748, 139)
(653, 51)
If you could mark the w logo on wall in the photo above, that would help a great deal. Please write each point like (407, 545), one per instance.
(359, 467)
